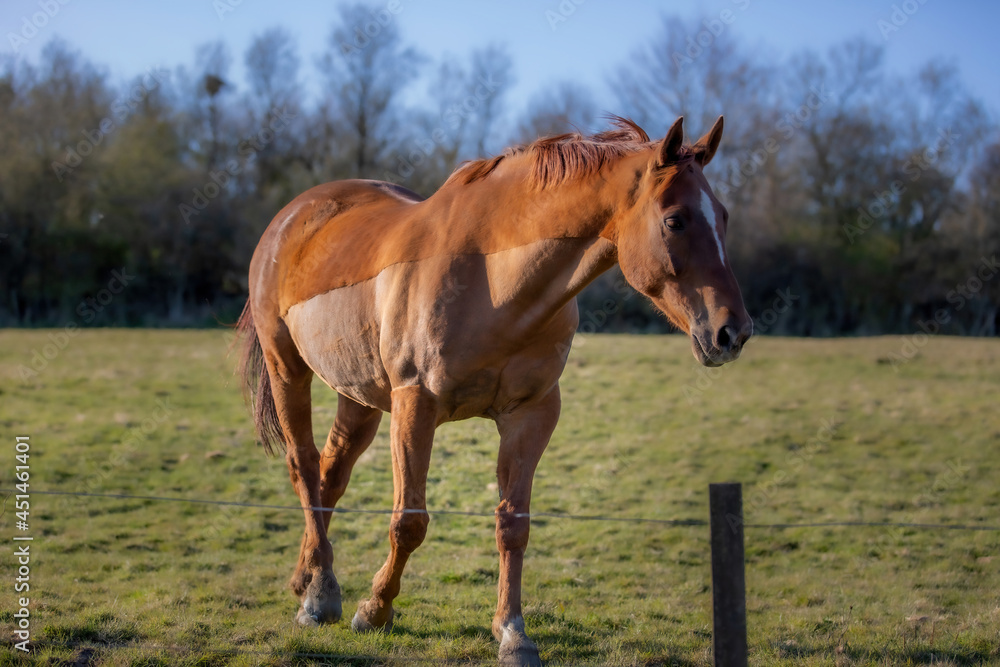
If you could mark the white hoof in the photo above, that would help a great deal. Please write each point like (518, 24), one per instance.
(306, 619)
(321, 602)
(516, 650)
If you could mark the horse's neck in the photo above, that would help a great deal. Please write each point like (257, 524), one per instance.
(569, 222)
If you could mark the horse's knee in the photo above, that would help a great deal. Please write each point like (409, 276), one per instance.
(512, 529)
(407, 530)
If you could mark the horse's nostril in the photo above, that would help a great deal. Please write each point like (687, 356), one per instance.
(724, 339)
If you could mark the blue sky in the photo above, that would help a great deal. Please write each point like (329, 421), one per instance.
(587, 46)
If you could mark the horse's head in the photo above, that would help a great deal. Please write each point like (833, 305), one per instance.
(672, 247)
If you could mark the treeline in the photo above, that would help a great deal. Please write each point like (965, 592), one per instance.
(860, 201)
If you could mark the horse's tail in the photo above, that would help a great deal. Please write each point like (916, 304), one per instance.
(257, 384)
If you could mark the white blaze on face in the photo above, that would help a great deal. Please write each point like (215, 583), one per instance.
(708, 210)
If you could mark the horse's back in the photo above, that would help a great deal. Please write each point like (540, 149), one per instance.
(327, 237)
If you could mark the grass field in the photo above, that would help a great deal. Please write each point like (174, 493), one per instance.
(816, 430)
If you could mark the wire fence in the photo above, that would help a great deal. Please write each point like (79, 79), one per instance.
(530, 515)
(373, 660)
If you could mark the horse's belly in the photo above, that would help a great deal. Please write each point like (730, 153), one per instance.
(337, 333)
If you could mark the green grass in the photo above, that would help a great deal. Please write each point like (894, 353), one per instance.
(816, 430)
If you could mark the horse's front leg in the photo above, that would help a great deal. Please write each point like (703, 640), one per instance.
(524, 433)
(411, 434)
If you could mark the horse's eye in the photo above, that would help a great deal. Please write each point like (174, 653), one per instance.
(674, 222)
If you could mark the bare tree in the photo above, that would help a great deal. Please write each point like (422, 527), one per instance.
(367, 68)
(489, 78)
(565, 107)
(274, 100)
(666, 79)
(272, 65)
(212, 63)
(468, 97)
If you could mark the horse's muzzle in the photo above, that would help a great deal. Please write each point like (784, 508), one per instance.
(724, 344)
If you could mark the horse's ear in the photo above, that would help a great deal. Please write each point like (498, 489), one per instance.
(704, 149)
(670, 147)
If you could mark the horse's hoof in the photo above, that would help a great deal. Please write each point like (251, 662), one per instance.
(321, 602)
(367, 622)
(306, 619)
(516, 650)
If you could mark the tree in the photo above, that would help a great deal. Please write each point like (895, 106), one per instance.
(461, 126)
(280, 167)
(367, 68)
(565, 107)
(214, 61)
(50, 134)
(661, 81)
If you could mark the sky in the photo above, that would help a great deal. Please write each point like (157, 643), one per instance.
(549, 40)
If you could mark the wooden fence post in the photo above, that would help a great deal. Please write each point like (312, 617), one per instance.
(729, 610)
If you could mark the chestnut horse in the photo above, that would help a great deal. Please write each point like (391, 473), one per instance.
(462, 305)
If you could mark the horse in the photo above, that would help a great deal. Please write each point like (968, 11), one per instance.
(463, 305)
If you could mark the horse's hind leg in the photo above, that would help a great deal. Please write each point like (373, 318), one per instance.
(290, 385)
(524, 433)
(351, 434)
(414, 417)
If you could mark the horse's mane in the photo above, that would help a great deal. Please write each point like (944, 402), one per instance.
(555, 159)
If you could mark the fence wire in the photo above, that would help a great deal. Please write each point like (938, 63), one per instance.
(529, 515)
(373, 660)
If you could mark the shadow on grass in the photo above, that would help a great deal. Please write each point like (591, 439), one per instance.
(299, 651)
(916, 655)
(104, 628)
(667, 661)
